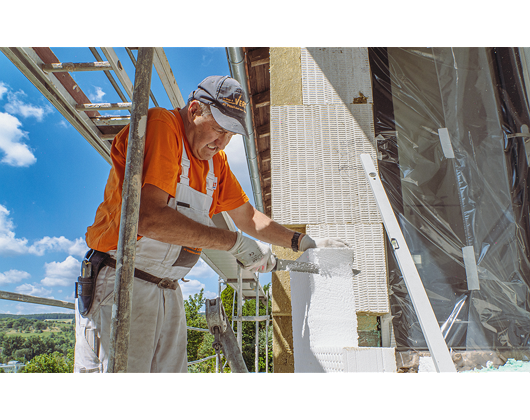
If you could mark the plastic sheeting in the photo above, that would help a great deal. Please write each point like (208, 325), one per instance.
(450, 125)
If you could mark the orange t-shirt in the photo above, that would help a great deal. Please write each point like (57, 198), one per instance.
(162, 156)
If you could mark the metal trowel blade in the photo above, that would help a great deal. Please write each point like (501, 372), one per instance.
(303, 267)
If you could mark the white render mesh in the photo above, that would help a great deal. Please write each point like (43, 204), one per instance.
(370, 285)
(317, 175)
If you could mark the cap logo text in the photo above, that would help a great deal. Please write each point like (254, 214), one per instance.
(238, 103)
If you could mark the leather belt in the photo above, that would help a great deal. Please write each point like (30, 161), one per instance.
(165, 283)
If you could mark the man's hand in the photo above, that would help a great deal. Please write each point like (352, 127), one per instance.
(308, 242)
(253, 255)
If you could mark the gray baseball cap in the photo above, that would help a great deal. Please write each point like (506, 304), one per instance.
(227, 102)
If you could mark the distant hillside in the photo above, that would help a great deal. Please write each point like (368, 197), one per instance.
(40, 316)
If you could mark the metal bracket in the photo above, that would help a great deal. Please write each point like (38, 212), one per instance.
(215, 315)
(224, 335)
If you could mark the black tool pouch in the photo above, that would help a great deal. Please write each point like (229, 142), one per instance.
(85, 286)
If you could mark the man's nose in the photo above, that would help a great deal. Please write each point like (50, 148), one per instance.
(223, 140)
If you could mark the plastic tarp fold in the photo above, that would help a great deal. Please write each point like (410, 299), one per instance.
(450, 126)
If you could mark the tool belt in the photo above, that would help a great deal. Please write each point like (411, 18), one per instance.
(93, 262)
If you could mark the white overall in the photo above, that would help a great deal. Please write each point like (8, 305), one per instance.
(158, 335)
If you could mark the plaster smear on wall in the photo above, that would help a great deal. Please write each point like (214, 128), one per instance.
(323, 307)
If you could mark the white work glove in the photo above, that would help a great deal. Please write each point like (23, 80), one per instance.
(308, 242)
(253, 255)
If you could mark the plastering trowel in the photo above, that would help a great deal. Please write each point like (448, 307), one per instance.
(288, 265)
(303, 267)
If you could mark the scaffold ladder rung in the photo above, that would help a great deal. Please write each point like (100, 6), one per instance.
(116, 106)
(102, 120)
(72, 67)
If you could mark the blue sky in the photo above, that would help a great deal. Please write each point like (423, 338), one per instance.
(52, 180)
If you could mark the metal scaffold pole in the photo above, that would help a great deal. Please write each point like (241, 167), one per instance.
(123, 286)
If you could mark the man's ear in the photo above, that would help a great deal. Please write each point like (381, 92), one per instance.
(194, 110)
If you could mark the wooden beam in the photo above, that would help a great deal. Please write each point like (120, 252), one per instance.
(264, 130)
(265, 155)
(262, 99)
(258, 57)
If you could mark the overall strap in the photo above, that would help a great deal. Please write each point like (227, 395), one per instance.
(211, 179)
(185, 165)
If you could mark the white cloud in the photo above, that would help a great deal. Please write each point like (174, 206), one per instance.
(191, 287)
(201, 270)
(32, 290)
(61, 273)
(3, 89)
(17, 153)
(11, 245)
(56, 244)
(16, 106)
(209, 295)
(13, 276)
(77, 247)
(98, 96)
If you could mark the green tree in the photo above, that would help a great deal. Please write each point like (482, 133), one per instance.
(249, 329)
(39, 326)
(11, 344)
(23, 324)
(51, 363)
(227, 298)
(196, 349)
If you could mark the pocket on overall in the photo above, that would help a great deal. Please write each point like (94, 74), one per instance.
(187, 257)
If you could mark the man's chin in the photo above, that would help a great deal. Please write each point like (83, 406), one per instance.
(207, 154)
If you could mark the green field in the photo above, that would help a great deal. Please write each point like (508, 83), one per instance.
(30, 328)
(23, 339)
(45, 333)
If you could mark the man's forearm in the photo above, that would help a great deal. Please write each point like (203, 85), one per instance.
(260, 226)
(267, 230)
(170, 226)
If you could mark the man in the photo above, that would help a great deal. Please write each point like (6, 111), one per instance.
(186, 180)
